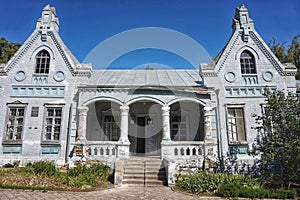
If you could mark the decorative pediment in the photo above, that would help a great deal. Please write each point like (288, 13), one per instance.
(17, 102)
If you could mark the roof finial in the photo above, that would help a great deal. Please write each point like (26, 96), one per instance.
(48, 21)
(242, 21)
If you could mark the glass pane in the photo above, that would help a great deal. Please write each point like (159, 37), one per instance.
(239, 112)
(21, 112)
(58, 112)
(57, 129)
(230, 113)
(57, 121)
(10, 131)
(107, 118)
(50, 112)
(56, 136)
(49, 129)
(49, 121)
(13, 112)
(241, 130)
(20, 121)
(48, 136)
(175, 119)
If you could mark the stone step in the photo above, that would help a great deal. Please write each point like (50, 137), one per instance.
(143, 182)
(154, 182)
(144, 171)
(134, 181)
(147, 176)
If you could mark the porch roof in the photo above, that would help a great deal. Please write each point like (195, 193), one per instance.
(128, 78)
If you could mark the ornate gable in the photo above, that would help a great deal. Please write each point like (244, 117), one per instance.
(46, 34)
(244, 35)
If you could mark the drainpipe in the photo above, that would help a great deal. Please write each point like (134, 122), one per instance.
(68, 134)
(219, 134)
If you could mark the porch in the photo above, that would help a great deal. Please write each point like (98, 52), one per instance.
(144, 127)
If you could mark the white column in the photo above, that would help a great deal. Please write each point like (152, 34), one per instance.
(166, 137)
(82, 123)
(124, 125)
(208, 122)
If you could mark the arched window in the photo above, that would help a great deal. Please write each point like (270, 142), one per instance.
(42, 62)
(247, 63)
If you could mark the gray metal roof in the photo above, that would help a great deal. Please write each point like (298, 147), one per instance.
(133, 78)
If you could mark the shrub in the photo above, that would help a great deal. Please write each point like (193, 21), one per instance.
(238, 190)
(206, 182)
(45, 168)
(83, 175)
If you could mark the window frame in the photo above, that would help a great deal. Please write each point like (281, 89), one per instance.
(247, 63)
(178, 136)
(230, 133)
(53, 124)
(10, 106)
(116, 116)
(42, 68)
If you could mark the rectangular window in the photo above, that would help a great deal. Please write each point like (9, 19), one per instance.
(52, 124)
(111, 128)
(178, 128)
(236, 126)
(15, 124)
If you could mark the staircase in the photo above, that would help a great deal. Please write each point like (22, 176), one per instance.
(146, 171)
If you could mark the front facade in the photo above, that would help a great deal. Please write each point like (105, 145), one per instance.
(55, 108)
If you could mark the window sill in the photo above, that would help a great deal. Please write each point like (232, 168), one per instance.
(12, 142)
(40, 75)
(238, 143)
(50, 143)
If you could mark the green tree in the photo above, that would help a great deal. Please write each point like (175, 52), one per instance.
(293, 54)
(7, 50)
(287, 55)
(279, 141)
(278, 49)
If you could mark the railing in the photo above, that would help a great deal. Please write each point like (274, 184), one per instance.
(184, 149)
(101, 149)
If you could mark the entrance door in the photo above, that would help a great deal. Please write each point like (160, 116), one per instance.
(141, 129)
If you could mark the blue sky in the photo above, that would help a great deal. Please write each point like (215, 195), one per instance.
(84, 24)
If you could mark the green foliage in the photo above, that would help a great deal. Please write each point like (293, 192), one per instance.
(7, 50)
(279, 139)
(238, 190)
(293, 55)
(201, 182)
(288, 55)
(229, 185)
(44, 168)
(82, 175)
(76, 177)
(278, 49)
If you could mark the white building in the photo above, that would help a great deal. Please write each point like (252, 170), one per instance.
(50, 103)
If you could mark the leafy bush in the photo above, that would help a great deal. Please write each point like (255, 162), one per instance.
(44, 175)
(206, 182)
(45, 168)
(82, 175)
(238, 190)
(229, 185)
